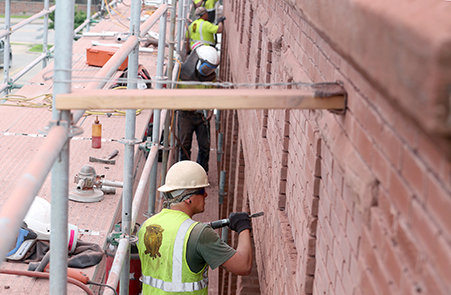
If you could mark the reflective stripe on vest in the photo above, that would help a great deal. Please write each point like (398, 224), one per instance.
(201, 37)
(177, 264)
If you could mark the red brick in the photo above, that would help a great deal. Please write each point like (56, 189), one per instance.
(425, 230)
(381, 167)
(338, 256)
(341, 210)
(391, 146)
(407, 247)
(331, 269)
(442, 260)
(438, 202)
(429, 151)
(377, 231)
(366, 285)
(399, 193)
(353, 236)
(386, 209)
(337, 175)
(363, 144)
(413, 171)
(347, 281)
(373, 123)
(392, 263)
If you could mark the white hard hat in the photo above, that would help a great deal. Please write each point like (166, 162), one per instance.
(38, 219)
(185, 175)
(208, 60)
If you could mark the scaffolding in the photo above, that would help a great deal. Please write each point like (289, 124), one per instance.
(54, 153)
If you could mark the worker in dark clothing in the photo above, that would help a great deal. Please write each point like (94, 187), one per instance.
(199, 66)
(175, 251)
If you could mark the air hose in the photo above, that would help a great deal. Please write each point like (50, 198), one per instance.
(45, 276)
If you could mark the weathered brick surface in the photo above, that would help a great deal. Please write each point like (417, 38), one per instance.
(354, 204)
(32, 7)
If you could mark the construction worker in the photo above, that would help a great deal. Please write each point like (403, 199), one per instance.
(175, 251)
(209, 6)
(201, 31)
(199, 66)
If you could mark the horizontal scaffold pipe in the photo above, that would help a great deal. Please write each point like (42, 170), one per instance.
(145, 27)
(193, 99)
(110, 67)
(27, 21)
(28, 185)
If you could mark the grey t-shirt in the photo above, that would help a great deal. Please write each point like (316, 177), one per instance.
(205, 246)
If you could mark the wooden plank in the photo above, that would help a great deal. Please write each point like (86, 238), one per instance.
(197, 99)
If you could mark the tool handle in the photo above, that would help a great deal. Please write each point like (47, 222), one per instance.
(219, 223)
(225, 222)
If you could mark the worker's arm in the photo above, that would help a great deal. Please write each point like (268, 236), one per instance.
(198, 4)
(241, 262)
(220, 27)
(221, 24)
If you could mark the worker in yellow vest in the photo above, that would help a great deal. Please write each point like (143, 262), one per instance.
(201, 31)
(210, 6)
(176, 251)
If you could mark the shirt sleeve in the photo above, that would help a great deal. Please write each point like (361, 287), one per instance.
(210, 28)
(213, 250)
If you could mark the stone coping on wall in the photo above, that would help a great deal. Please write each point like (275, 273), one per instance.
(402, 47)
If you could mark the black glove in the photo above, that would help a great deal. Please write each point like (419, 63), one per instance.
(239, 221)
(221, 20)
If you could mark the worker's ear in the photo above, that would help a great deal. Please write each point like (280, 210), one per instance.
(188, 201)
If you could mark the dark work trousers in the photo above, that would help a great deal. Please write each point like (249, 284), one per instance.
(188, 123)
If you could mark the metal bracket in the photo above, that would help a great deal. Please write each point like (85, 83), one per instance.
(331, 89)
(130, 141)
(73, 130)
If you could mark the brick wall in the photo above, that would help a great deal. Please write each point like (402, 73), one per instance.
(31, 7)
(354, 204)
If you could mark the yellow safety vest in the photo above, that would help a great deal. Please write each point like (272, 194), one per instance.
(203, 31)
(162, 250)
(209, 4)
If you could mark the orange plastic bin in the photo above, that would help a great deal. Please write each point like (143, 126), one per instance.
(99, 55)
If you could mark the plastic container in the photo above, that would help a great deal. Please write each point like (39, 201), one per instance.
(100, 55)
(96, 134)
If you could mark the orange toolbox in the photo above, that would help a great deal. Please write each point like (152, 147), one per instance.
(99, 55)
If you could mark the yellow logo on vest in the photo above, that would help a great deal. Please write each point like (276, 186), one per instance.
(153, 239)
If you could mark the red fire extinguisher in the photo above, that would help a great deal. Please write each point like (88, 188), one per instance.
(135, 285)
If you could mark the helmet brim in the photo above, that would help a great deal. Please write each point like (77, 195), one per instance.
(169, 188)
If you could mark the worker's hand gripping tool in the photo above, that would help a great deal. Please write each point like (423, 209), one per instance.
(225, 222)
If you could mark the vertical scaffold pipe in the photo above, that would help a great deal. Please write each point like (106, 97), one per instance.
(180, 28)
(171, 42)
(220, 152)
(156, 114)
(64, 25)
(129, 153)
(45, 34)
